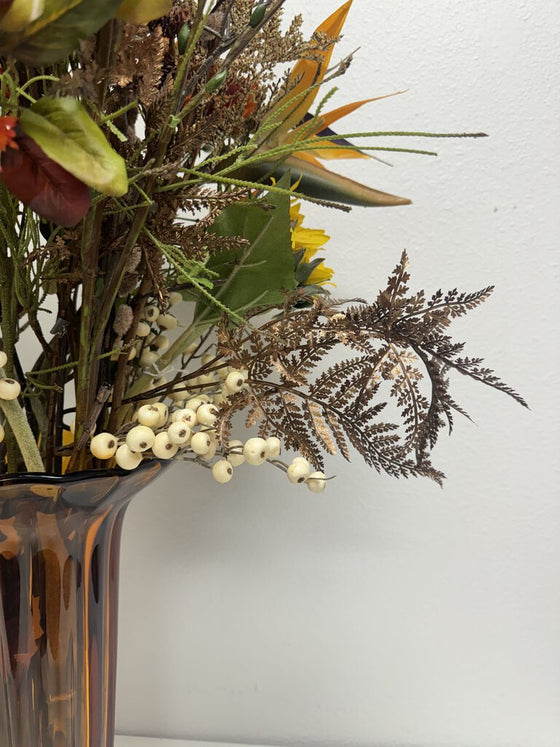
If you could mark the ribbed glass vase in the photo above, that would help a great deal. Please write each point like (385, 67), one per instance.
(59, 559)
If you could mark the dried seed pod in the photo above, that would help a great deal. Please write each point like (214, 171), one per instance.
(123, 319)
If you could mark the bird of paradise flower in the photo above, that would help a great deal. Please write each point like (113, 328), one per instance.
(289, 123)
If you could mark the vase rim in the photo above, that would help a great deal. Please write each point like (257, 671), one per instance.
(51, 477)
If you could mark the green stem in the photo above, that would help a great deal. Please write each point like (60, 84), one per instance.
(86, 370)
(15, 415)
(190, 335)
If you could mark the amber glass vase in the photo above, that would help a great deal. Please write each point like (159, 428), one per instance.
(59, 558)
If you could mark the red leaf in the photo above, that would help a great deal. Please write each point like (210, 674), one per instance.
(8, 131)
(43, 184)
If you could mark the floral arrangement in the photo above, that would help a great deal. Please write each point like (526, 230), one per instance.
(153, 166)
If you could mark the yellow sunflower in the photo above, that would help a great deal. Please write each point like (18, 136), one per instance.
(306, 242)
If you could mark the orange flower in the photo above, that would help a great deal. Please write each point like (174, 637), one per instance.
(289, 121)
(8, 133)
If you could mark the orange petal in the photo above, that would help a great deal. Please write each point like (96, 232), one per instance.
(342, 111)
(333, 151)
(307, 73)
(326, 120)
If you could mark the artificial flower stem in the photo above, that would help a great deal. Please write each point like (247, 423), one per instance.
(190, 335)
(16, 417)
(86, 375)
(8, 325)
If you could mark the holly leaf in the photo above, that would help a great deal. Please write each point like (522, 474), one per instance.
(68, 135)
(44, 185)
(142, 11)
(57, 31)
(259, 273)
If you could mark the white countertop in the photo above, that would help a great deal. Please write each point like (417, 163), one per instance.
(123, 741)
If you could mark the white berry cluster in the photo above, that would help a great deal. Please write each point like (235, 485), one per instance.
(185, 430)
(150, 332)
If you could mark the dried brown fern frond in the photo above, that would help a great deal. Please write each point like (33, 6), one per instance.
(394, 356)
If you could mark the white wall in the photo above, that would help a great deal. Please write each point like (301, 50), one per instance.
(391, 612)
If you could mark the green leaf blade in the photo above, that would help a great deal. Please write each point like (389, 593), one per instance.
(260, 273)
(68, 135)
(142, 11)
(57, 31)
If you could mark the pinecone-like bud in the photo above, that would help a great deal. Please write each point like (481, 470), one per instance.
(123, 319)
(134, 259)
(129, 283)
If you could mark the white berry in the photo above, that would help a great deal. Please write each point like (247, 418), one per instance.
(174, 298)
(140, 438)
(142, 329)
(207, 414)
(179, 432)
(235, 452)
(149, 415)
(316, 482)
(222, 471)
(211, 453)
(254, 451)
(234, 381)
(299, 470)
(163, 448)
(3, 359)
(9, 389)
(167, 321)
(194, 403)
(148, 358)
(2, 433)
(185, 415)
(151, 313)
(103, 445)
(201, 443)
(163, 413)
(161, 342)
(273, 446)
(127, 459)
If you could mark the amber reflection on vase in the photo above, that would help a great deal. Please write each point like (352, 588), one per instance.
(59, 557)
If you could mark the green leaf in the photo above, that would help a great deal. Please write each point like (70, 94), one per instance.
(304, 269)
(20, 13)
(142, 11)
(57, 31)
(66, 133)
(259, 273)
